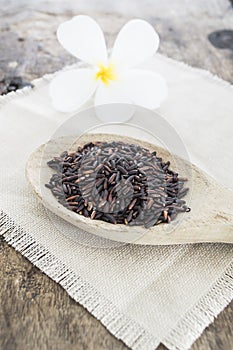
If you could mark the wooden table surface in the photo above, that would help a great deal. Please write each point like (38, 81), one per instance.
(35, 312)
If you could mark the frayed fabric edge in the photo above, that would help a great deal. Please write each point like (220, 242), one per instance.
(123, 328)
(202, 314)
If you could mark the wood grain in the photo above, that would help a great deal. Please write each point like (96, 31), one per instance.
(36, 313)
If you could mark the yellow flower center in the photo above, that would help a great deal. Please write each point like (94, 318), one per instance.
(106, 74)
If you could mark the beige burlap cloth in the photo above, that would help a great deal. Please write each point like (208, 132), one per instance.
(144, 295)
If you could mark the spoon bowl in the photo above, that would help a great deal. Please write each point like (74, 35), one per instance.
(210, 219)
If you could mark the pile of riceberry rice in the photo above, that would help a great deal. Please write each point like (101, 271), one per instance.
(119, 183)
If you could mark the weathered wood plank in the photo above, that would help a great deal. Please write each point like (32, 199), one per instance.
(34, 311)
(30, 49)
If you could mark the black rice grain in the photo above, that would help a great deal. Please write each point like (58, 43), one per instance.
(118, 183)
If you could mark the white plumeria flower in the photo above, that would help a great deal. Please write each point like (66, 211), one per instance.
(115, 79)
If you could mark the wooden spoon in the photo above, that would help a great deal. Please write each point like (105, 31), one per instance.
(210, 219)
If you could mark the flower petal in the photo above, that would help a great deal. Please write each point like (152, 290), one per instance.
(112, 93)
(136, 42)
(112, 104)
(70, 89)
(83, 38)
(144, 88)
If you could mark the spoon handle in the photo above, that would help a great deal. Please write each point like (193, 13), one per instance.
(199, 234)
